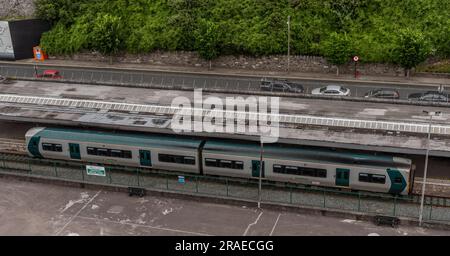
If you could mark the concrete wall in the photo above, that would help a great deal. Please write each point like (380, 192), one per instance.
(270, 63)
(16, 9)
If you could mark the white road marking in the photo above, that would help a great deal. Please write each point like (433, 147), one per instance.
(145, 226)
(251, 224)
(274, 225)
(76, 214)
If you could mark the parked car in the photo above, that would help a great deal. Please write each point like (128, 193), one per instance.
(383, 94)
(430, 96)
(279, 85)
(50, 73)
(333, 90)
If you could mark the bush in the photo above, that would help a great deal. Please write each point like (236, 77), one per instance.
(255, 27)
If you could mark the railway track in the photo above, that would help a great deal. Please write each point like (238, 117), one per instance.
(436, 188)
(12, 146)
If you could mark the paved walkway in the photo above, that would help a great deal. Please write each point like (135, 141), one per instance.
(418, 79)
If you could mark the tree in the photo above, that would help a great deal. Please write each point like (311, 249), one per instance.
(411, 49)
(106, 34)
(337, 49)
(208, 40)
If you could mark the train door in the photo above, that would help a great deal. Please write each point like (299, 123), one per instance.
(33, 147)
(342, 177)
(145, 157)
(74, 150)
(256, 167)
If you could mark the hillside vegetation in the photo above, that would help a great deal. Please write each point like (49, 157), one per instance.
(376, 30)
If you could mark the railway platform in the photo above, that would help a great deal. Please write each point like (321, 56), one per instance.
(360, 126)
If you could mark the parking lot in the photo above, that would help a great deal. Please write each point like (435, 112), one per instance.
(28, 208)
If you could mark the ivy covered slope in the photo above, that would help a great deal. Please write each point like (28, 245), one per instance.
(377, 30)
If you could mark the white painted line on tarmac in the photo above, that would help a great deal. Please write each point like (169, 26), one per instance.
(274, 225)
(76, 214)
(145, 226)
(251, 224)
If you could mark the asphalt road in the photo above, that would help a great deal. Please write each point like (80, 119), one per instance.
(179, 80)
(29, 208)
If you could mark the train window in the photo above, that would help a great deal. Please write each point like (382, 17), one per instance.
(301, 171)
(58, 147)
(220, 163)
(108, 152)
(225, 164)
(116, 153)
(321, 173)
(372, 178)
(238, 165)
(102, 152)
(210, 162)
(126, 154)
(364, 177)
(91, 151)
(189, 160)
(176, 159)
(47, 147)
(378, 179)
(277, 168)
(52, 147)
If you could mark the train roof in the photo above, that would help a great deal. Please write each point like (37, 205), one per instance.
(119, 138)
(296, 153)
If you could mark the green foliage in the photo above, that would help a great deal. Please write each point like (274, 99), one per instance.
(106, 34)
(208, 36)
(337, 49)
(411, 48)
(255, 27)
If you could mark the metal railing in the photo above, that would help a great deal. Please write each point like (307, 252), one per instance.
(149, 79)
(436, 209)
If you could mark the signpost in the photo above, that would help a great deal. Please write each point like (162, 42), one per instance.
(95, 170)
(181, 180)
(355, 60)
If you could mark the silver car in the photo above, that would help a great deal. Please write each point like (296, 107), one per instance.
(332, 90)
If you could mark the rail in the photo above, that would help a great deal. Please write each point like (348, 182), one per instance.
(436, 209)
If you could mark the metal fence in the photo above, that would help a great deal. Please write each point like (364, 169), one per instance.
(436, 209)
(148, 79)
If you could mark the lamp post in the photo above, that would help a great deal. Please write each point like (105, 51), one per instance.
(289, 42)
(261, 151)
(431, 114)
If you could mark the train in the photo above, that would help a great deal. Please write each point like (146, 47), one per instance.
(216, 157)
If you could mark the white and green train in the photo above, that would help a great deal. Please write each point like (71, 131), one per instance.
(327, 168)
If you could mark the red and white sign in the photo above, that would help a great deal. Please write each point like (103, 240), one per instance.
(355, 59)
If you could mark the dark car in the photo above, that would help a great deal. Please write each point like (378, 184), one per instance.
(279, 85)
(430, 96)
(383, 94)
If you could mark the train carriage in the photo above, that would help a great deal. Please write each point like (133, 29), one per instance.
(149, 151)
(327, 168)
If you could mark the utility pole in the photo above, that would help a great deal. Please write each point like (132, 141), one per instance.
(289, 42)
(261, 151)
(431, 114)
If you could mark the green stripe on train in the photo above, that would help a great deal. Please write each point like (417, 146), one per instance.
(33, 146)
(396, 187)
